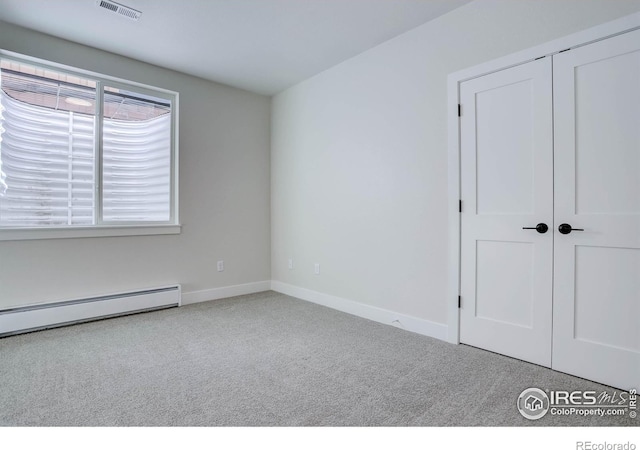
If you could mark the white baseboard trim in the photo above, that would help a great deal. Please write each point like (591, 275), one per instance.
(224, 292)
(409, 323)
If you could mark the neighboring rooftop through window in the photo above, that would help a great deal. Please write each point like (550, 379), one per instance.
(62, 92)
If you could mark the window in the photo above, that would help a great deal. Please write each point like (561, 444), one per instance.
(83, 152)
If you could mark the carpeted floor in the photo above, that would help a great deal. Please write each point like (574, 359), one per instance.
(263, 360)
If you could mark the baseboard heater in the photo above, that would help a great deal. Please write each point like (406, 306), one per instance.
(50, 315)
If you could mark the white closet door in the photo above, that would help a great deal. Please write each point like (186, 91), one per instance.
(506, 184)
(596, 316)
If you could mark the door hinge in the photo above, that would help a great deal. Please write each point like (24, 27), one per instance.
(459, 110)
(459, 301)
(460, 206)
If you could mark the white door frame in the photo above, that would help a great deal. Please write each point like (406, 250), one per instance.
(603, 31)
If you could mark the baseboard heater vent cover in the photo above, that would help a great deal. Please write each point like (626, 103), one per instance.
(51, 315)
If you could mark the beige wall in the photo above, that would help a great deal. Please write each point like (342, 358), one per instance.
(359, 153)
(224, 195)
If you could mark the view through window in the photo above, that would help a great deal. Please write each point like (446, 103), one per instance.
(81, 152)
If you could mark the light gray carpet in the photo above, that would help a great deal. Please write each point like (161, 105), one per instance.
(262, 359)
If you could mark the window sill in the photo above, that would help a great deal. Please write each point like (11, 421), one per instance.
(23, 234)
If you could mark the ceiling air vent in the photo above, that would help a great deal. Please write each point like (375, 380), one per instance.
(117, 8)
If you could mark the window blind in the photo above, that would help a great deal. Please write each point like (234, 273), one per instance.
(48, 157)
(136, 170)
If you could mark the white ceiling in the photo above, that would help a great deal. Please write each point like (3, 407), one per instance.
(263, 46)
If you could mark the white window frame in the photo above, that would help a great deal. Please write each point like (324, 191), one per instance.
(101, 228)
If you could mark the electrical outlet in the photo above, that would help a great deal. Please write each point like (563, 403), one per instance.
(290, 263)
(316, 268)
(220, 266)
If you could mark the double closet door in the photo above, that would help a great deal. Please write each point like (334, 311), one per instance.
(550, 227)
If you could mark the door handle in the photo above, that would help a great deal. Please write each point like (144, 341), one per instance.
(541, 228)
(565, 228)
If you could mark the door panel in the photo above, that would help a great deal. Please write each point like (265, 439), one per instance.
(597, 188)
(506, 184)
(510, 155)
(607, 99)
(607, 273)
(494, 292)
